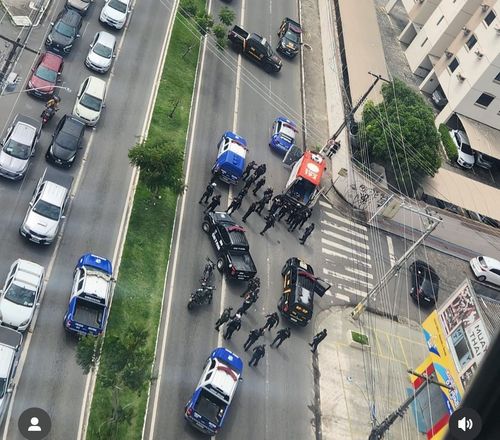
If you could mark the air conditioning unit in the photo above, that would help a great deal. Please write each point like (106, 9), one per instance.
(479, 54)
(460, 77)
(485, 7)
(466, 30)
(448, 54)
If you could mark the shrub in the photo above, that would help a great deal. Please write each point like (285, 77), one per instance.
(449, 145)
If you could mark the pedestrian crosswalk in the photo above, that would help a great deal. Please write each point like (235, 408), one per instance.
(347, 263)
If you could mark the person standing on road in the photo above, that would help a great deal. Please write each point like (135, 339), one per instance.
(259, 185)
(272, 320)
(213, 204)
(282, 334)
(258, 354)
(233, 326)
(244, 307)
(317, 339)
(294, 210)
(269, 224)
(209, 190)
(253, 284)
(307, 233)
(253, 296)
(224, 317)
(269, 192)
(234, 206)
(285, 208)
(249, 182)
(253, 336)
(243, 192)
(250, 167)
(215, 176)
(251, 208)
(277, 203)
(262, 203)
(261, 169)
(296, 219)
(306, 215)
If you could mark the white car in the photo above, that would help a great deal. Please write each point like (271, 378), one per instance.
(21, 294)
(486, 269)
(115, 12)
(90, 100)
(102, 52)
(465, 153)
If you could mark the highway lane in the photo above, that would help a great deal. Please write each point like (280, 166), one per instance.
(273, 400)
(50, 378)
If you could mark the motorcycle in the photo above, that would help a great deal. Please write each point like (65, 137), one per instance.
(47, 114)
(207, 272)
(201, 296)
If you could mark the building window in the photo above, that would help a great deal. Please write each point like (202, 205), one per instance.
(453, 65)
(490, 17)
(423, 42)
(497, 78)
(484, 100)
(471, 41)
(440, 20)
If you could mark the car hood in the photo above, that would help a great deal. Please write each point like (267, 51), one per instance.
(467, 158)
(62, 153)
(41, 225)
(114, 14)
(97, 60)
(84, 112)
(39, 83)
(12, 164)
(61, 39)
(14, 314)
(289, 44)
(79, 4)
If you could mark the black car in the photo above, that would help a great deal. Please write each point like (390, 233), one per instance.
(64, 32)
(299, 287)
(233, 251)
(424, 283)
(66, 141)
(290, 38)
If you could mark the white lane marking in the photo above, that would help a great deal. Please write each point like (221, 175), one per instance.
(349, 250)
(341, 276)
(359, 272)
(325, 204)
(348, 240)
(342, 297)
(339, 255)
(345, 220)
(344, 229)
(390, 245)
(349, 289)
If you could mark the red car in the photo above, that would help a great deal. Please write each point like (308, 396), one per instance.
(45, 75)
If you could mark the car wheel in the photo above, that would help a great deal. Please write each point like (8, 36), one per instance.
(220, 264)
(481, 278)
(205, 226)
(190, 305)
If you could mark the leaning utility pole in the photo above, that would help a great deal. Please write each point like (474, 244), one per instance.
(378, 431)
(434, 221)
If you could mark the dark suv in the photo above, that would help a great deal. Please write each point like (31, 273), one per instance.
(66, 141)
(64, 32)
(424, 283)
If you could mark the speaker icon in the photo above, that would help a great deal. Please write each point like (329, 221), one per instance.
(465, 424)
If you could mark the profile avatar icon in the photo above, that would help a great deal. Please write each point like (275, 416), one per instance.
(34, 425)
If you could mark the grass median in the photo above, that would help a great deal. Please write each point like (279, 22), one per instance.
(120, 396)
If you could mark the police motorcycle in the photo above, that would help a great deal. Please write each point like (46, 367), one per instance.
(201, 296)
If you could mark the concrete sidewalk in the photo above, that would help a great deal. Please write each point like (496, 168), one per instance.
(356, 384)
(26, 12)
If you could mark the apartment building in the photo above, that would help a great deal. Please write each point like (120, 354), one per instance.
(454, 46)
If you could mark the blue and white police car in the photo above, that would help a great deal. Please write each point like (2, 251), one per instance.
(231, 155)
(283, 135)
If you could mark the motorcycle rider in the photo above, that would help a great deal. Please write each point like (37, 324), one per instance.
(53, 103)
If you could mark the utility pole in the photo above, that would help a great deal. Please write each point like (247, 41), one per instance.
(434, 221)
(378, 431)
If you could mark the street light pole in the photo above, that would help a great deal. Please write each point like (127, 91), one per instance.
(67, 89)
(378, 431)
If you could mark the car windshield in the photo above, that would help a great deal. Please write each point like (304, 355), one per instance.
(292, 36)
(47, 210)
(20, 295)
(64, 29)
(103, 51)
(91, 102)
(466, 149)
(269, 51)
(16, 149)
(46, 74)
(3, 384)
(118, 5)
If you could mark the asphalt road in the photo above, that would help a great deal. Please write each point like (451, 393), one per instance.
(50, 378)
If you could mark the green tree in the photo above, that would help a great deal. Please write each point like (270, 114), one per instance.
(220, 32)
(188, 8)
(87, 352)
(400, 133)
(227, 16)
(160, 163)
(205, 22)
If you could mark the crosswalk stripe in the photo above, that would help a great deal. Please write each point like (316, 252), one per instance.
(359, 272)
(346, 239)
(345, 220)
(391, 251)
(346, 277)
(349, 250)
(344, 229)
(342, 297)
(354, 291)
(339, 255)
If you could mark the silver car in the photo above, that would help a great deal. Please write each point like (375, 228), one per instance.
(102, 52)
(82, 6)
(18, 146)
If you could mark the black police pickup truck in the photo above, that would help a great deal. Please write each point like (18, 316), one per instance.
(233, 251)
(255, 47)
(299, 286)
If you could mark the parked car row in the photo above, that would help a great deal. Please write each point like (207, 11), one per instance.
(467, 157)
